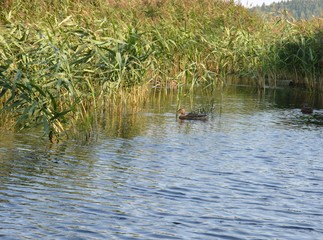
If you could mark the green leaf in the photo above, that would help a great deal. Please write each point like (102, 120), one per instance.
(60, 114)
(17, 76)
(38, 89)
(119, 59)
(46, 125)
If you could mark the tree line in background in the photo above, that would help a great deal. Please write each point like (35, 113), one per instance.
(299, 9)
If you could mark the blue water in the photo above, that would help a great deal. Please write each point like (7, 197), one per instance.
(254, 170)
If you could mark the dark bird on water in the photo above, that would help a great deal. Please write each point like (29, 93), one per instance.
(191, 116)
(306, 109)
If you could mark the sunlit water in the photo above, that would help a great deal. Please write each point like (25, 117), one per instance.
(254, 170)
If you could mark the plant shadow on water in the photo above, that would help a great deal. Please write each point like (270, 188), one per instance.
(253, 170)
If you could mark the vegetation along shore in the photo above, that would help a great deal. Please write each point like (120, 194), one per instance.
(64, 61)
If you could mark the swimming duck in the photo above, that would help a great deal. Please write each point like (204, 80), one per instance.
(306, 109)
(191, 116)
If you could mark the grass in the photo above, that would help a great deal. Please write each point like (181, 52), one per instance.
(63, 62)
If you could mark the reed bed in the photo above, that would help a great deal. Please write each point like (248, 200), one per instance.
(64, 61)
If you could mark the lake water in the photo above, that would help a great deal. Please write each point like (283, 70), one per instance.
(253, 170)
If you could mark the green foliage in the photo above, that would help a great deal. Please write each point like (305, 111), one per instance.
(301, 54)
(53, 71)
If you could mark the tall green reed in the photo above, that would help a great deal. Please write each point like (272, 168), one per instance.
(63, 68)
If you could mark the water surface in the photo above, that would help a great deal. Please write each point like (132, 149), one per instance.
(254, 170)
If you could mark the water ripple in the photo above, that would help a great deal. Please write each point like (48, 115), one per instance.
(240, 175)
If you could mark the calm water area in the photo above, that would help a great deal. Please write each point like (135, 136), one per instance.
(253, 170)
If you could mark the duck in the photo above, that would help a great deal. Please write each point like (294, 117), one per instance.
(306, 109)
(191, 116)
